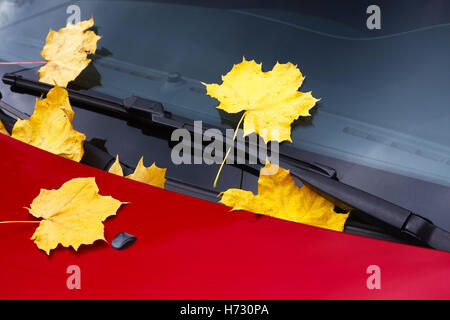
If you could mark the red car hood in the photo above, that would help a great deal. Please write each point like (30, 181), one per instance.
(193, 249)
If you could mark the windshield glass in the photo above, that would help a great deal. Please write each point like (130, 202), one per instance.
(384, 95)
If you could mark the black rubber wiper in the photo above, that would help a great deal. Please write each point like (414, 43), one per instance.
(99, 158)
(93, 155)
(146, 113)
(398, 217)
(17, 113)
(141, 113)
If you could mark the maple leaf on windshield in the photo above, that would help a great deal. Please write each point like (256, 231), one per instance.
(66, 51)
(152, 175)
(271, 100)
(279, 197)
(72, 215)
(116, 168)
(3, 129)
(50, 127)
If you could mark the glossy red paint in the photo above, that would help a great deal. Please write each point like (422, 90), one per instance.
(193, 249)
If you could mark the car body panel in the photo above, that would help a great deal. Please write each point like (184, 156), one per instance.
(189, 248)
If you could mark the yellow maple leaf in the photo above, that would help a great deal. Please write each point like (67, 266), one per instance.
(50, 127)
(278, 196)
(271, 100)
(72, 215)
(116, 168)
(60, 97)
(3, 129)
(152, 175)
(66, 51)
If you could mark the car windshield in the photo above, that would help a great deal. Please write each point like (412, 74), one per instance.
(384, 96)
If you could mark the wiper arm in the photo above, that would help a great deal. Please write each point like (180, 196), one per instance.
(400, 218)
(93, 156)
(98, 158)
(322, 179)
(134, 109)
(17, 113)
(139, 112)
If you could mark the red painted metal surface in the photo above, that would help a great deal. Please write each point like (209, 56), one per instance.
(189, 248)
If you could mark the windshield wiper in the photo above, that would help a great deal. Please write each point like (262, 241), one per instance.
(99, 158)
(141, 113)
(146, 113)
(17, 113)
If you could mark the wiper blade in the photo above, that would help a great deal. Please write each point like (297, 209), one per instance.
(146, 113)
(140, 112)
(17, 113)
(98, 158)
(398, 217)
(93, 156)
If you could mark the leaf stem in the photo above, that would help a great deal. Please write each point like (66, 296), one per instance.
(229, 149)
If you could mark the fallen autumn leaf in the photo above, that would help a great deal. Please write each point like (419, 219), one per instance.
(279, 196)
(3, 129)
(271, 100)
(66, 51)
(50, 127)
(72, 215)
(152, 175)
